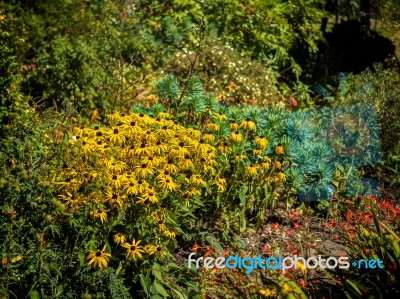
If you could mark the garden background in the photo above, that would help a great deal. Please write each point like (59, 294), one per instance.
(133, 133)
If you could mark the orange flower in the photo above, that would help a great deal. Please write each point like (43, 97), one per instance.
(275, 226)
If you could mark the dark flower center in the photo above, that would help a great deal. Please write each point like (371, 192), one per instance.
(115, 131)
(131, 184)
(144, 165)
(141, 115)
(96, 127)
(115, 196)
(143, 145)
(133, 124)
(98, 134)
(114, 177)
(133, 248)
(98, 253)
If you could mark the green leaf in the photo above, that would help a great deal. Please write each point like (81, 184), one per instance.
(34, 295)
(160, 289)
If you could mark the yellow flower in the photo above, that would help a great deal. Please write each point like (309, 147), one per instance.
(115, 135)
(168, 184)
(221, 184)
(119, 238)
(279, 150)
(277, 165)
(209, 137)
(187, 163)
(287, 288)
(252, 169)
(261, 142)
(170, 166)
(133, 250)
(280, 178)
(98, 213)
(224, 147)
(257, 152)
(248, 124)
(143, 170)
(164, 132)
(220, 116)
(150, 195)
(213, 126)
(236, 137)
(114, 198)
(115, 181)
(155, 249)
(169, 233)
(234, 126)
(240, 157)
(132, 187)
(99, 258)
(267, 293)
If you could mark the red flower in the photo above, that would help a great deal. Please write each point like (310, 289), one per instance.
(296, 225)
(293, 101)
(275, 226)
(302, 283)
(265, 249)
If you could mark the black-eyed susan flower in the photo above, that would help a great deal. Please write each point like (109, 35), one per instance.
(252, 169)
(131, 187)
(168, 184)
(257, 152)
(196, 180)
(234, 126)
(170, 166)
(143, 149)
(224, 147)
(99, 213)
(115, 181)
(277, 165)
(169, 233)
(193, 192)
(213, 126)
(261, 142)
(221, 184)
(248, 124)
(155, 250)
(236, 136)
(116, 136)
(133, 250)
(280, 178)
(265, 164)
(240, 157)
(143, 170)
(186, 163)
(279, 149)
(114, 198)
(165, 132)
(99, 258)
(209, 137)
(119, 238)
(88, 146)
(179, 149)
(220, 116)
(149, 196)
